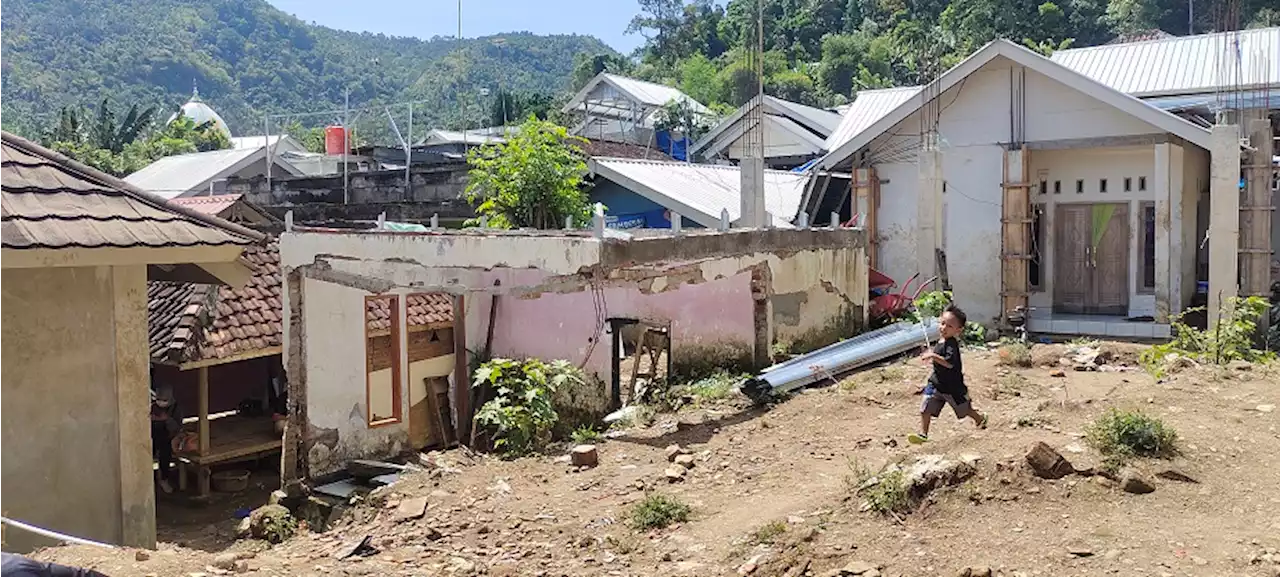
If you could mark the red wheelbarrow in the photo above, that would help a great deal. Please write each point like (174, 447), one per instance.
(887, 305)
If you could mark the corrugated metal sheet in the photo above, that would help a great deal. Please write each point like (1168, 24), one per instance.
(824, 121)
(650, 93)
(50, 201)
(1199, 64)
(171, 176)
(868, 107)
(708, 188)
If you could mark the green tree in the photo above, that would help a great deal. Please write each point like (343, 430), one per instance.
(698, 79)
(509, 107)
(534, 179)
(587, 67)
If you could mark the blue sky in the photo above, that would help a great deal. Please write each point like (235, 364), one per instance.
(604, 19)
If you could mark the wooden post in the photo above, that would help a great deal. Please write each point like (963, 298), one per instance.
(1015, 231)
(203, 471)
(866, 192)
(1255, 213)
(461, 372)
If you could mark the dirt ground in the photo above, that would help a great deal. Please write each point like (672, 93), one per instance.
(789, 468)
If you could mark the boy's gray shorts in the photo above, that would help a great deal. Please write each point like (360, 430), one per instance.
(932, 404)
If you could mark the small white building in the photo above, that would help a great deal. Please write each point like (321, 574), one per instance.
(620, 109)
(794, 134)
(1040, 185)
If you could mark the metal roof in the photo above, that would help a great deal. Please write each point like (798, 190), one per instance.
(1200, 64)
(648, 95)
(701, 191)
(1002, 48)
(173, 176)
(210, 205)
(51, 201)
(282, 142)
(867, 107)
(456, 137)
(815, 123)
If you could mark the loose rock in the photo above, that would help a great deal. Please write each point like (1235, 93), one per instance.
(859, 568)
(685, 461)
(674, 451)
(1048, 463)
(1080, 551)
(141, 555)
(410, 509)
(225, 561)
(675, 474)
(1132, 482)
(1172, 474)
(584, 456)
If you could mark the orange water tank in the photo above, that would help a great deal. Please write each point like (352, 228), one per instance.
(335, 140)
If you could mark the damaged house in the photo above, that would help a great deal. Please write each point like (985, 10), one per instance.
(718, 298)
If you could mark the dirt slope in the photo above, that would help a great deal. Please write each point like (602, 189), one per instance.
(792, 464)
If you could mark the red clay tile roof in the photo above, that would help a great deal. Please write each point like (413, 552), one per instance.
(210, 205)
(190, 322)
(623, 150)
(423, 310)
(51, 201)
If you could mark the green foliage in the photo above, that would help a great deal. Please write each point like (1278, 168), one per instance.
(974, 334)
(249, 58)
(931, 304)
(1233, 338)
(586, 435)
(888, 494)
(715, 387)
(658, 511)
(521, 411)
(1124, 434)
(768, 533)
(679, 116)
(126, 146)
(1014, 354)
(534, 179)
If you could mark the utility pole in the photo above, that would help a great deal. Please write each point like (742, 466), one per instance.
(346, 141)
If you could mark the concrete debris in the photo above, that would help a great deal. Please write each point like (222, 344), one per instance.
(1048, 463)
(1133, 482)
(750, 566)
(930, 472)
(584, 456)
(675, 474)
(674, 451)
(410, 509)
(685, 461)
(1171, 474)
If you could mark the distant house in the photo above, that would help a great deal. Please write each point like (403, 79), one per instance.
(647, 194)
(231, 207)
(206, 173)
(794, 134)
(620, 109)
(79, 249)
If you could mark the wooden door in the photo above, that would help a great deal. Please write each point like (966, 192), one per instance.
(1091, 268)
(1110, 260)
(1071, 286)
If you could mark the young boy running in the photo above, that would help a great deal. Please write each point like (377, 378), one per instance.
(946, 384)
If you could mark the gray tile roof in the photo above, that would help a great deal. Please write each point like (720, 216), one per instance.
(51, 202)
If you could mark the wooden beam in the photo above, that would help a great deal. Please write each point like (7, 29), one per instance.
(866, 189)
(1255, 213)
(1015, 231)
(203, 381)
(51, 257)
(461, 371)
(245, 356)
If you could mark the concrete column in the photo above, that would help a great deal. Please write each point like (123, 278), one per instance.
(1224, 217)
(133, 379)
(1177, 298)
(1167, 192)
(929, 208)
(752, 213)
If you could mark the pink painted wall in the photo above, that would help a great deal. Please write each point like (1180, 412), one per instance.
(563, 326)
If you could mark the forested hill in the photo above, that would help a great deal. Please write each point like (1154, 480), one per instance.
(248, 58)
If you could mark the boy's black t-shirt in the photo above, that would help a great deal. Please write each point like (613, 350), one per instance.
(948, 381)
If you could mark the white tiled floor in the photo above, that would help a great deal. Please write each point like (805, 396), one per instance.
(1098, 326)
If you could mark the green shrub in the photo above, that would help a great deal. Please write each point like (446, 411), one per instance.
(1123, 434)
(889, 493)
(715, 387)
(930, 305)
(768, 533)
(586, 435)
(522, 413)
(1015, 355)
(1231, 339)
(658, 511)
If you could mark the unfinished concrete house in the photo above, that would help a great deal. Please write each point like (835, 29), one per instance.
(1044, 187)
(718, 297)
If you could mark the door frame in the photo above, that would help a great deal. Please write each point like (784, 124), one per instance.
(1092, 281)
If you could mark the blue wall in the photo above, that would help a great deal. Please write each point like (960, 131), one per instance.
(621, 202)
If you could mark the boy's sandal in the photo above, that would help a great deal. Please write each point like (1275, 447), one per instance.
(917, 438)
(983, 424)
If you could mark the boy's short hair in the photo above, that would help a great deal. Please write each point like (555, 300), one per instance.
(957, 313)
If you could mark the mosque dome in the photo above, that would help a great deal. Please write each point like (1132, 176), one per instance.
(199, 112)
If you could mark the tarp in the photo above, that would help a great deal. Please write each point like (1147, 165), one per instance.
(676, 149)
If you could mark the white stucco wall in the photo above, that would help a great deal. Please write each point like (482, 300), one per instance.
(779, 142)
(975, 119)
